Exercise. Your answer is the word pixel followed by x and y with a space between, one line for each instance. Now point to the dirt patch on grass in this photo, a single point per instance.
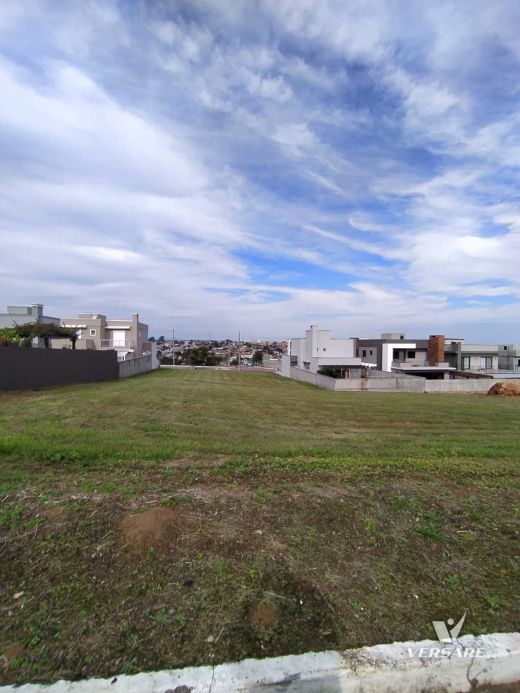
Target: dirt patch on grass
pixel 219 493
pixel 9 654
pixel 196 459
pixel 150 529
pixel 53 513
pixel 263 615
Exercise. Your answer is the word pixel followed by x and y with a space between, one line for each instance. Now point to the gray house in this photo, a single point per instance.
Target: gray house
pixel 128 337
pixel 21 315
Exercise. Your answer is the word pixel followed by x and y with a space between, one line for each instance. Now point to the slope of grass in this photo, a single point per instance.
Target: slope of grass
pixel 297 519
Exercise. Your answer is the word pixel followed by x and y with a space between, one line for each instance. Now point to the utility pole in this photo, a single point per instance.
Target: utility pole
pixel 239 357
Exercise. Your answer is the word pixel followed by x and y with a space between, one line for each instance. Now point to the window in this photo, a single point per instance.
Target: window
pixel 370 352
pixel 364 352
pixel 486 362
pixel 465 363
pixel 92 331
pixel 505 348
pixel 401 336
pixel 518 364
pixel 324 349
pixel 411 354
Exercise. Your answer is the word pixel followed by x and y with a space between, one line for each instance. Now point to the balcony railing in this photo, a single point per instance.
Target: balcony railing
pixel 128 344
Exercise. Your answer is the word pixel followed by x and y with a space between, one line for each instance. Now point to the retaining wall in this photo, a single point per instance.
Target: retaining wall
pixel 390 382
pixel 463 385
pixel 381 384
pixel 141 364
pixel 322 381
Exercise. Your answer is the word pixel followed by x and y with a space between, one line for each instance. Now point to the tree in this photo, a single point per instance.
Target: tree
pixel 258 358
pixel 200 356
pixel 46 331
pixel 9 337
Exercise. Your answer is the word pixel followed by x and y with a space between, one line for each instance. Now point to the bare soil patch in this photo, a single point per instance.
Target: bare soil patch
pixel 151 529
pixel 263 615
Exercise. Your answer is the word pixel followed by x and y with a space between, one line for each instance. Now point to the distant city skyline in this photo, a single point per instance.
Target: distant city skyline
pixel 219 166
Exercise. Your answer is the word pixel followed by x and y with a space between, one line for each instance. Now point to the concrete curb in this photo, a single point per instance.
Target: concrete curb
pixel 397 668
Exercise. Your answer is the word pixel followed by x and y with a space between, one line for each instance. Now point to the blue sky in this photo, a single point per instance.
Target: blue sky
pixel 261 165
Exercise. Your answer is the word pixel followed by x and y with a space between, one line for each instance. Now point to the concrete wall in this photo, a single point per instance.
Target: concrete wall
pixel 462 385
pixel 304 376
pixel 381 384
pixel 374 383
pixel 385 382
pixel 141 364
pixel 31 369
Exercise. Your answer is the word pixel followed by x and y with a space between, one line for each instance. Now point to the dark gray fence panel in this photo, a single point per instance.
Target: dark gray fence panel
pixel 30 369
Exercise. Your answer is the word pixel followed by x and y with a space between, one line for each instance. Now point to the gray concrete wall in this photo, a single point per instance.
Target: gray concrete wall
pixel 31 369
pixel 388 382
pixel 322 381
pixel 130 367
pixel 462 385
pixel 381 384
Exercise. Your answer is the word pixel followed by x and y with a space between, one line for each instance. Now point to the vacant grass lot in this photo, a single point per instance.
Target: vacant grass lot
pixel 194 517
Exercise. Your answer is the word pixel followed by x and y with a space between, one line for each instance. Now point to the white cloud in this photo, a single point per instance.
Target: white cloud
pixel 163 164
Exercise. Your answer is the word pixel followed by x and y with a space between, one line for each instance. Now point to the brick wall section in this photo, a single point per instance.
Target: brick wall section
pixel 435 349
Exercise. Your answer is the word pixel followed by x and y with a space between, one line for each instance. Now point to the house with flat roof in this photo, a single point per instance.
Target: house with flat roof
pixel 394 352
pixel 129 338
pixel 21 315
pixel 318 349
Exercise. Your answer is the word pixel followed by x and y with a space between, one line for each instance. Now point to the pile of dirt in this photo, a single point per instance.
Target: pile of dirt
pixel 149 529
pixel 508 388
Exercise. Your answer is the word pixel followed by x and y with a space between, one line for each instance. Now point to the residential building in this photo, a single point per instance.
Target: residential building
pixel 430 358
pixel 478 357
pixel 509 357
pixel 128 337
pixel 318 349
pixel 21 315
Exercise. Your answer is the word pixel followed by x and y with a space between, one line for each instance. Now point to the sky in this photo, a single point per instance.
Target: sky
pixel 264 165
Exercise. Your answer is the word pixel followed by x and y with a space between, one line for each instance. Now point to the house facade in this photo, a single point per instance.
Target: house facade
pixel 436 357
pixel 318 349
pixel 509 357
pixel 432 358
pixel 95 331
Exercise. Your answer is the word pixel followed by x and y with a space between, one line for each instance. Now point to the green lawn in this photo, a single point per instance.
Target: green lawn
pixel 194 517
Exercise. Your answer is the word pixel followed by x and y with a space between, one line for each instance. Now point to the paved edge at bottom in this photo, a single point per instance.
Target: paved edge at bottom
pixel 464 665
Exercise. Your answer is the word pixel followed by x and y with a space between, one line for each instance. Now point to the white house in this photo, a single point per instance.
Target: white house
pixel 318 349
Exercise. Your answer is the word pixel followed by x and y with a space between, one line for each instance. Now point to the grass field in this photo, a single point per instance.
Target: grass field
pixel 195 517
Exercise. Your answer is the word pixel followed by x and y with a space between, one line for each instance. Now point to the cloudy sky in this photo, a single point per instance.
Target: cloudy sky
pixel 261 165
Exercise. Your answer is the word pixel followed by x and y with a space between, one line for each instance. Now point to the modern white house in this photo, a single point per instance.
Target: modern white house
pixel 318 349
